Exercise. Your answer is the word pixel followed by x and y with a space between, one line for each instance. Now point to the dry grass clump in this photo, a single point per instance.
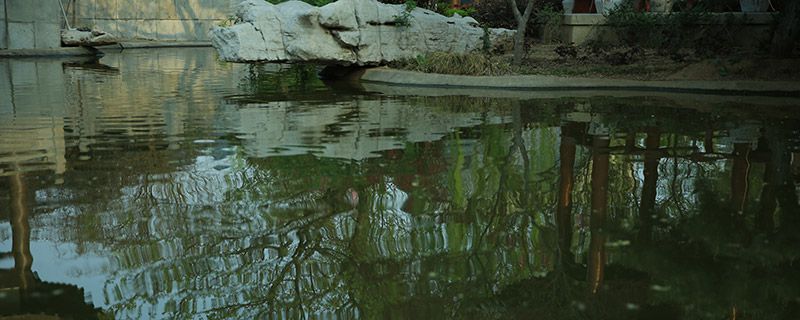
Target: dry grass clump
pixel 472 64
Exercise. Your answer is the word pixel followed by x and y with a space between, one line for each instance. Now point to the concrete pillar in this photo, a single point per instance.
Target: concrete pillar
pixel 3 26
pixel 6 97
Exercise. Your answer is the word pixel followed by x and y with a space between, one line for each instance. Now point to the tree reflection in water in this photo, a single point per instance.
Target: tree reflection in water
pixel 564 208
pixel 504 251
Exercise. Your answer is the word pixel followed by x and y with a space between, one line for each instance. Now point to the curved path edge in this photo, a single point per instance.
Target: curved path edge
pixel 541 82
pixel 91 51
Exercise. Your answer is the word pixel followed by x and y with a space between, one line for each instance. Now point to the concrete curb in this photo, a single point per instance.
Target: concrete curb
pixel 157 44
pixel 553 83
pixel 92 51
pixel 54 52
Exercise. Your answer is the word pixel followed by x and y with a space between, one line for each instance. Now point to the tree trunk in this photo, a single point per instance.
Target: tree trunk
pixel 519 43
pixel 649 185
pixel 786 35
pixel 522 25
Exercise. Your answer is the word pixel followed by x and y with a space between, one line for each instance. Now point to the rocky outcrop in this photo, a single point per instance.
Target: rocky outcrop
pixel 79 37
pixel 345 32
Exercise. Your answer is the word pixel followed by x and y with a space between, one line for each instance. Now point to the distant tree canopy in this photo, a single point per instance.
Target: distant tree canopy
pixel 788 32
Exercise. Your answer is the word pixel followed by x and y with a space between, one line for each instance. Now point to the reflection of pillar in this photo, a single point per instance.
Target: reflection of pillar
pixel 765 220
pixel 630 141
pixel 565 185
pixel 597 246
pixel 649 186
pixel 739 172
pixel 780 165
pixel 20 230
pixel 708 143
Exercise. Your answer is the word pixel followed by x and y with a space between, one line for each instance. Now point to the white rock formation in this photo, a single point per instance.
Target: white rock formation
pixel 74 38
pixel 346 32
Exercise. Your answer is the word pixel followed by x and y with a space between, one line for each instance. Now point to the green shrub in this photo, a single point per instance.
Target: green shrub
pixel 404 18
pixel 566 51
pixel 432 5
pixel 549 19
pixel 694 29
pixel 497 13
pixel 462 11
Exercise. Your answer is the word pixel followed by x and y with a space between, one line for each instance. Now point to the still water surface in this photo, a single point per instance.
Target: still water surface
pixel 167 184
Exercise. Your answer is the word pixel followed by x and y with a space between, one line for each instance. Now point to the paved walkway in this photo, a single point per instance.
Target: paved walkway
pixel 539 83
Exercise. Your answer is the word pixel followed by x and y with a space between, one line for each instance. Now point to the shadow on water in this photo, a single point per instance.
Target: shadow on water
pixel 250 191
pixel 93 64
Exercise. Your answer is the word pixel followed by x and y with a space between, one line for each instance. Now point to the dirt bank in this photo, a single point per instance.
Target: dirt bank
pixel 650 65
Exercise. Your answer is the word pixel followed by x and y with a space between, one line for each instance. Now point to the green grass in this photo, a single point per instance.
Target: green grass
pixel 474 64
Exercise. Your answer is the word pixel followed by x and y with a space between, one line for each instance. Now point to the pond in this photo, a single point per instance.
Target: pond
pixel 167 184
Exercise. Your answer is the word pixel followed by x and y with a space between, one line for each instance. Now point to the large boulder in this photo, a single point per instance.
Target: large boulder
pixel 345 32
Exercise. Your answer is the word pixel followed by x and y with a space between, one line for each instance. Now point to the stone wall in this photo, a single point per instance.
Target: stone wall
pixel 29 24
pixel 162 20
pixel 580 28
